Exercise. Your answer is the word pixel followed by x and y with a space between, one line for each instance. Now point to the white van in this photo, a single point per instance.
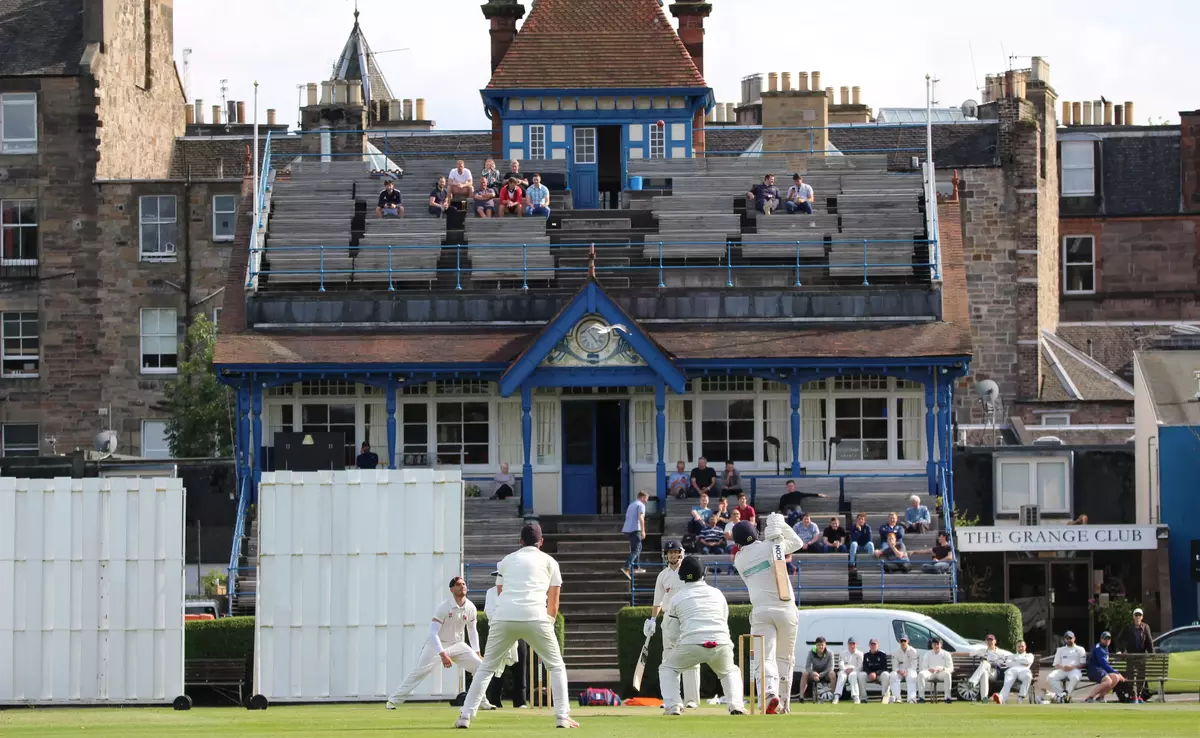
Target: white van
pixel 836 624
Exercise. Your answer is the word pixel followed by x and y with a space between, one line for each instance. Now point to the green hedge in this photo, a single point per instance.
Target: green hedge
pixel 223 638
pixel 970 620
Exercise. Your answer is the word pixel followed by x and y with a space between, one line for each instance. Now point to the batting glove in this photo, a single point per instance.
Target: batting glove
pixel 650 627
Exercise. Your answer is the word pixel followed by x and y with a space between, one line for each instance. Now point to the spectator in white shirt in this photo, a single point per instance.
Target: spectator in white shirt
pixel 1017 668
pixel 990 664
pixel 461 182
pixel 852 673
pixel 936 667
pixel 799 196
pixel 1068 669
pixel 906 662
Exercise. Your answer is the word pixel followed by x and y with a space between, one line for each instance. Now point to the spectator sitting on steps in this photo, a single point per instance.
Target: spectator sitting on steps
pixel 893 554
pixel 712 537
pixel 489 177
pixel 537 197
pixel 835 536
pixel 916 517
pixel 943 556
pixel 794 498
pixel 893 526
pixel 505 484
pixel 390 202
pixel 485 201
pixel 735 517
pixel 799 196
pixel 514 173
pixel 678 483
pixel 700 515
pixel 765 195
pixel 703 478
pixel 367 459
pixel 512 199
pixel 721 514
pixel 731 481
pixel 860 538
pixel 462 184
pixel 439 199
pixel 744 508
pixel 810 536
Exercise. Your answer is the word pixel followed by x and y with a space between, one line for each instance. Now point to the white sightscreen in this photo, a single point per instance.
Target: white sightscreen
pixel 351 565
pixel 91 590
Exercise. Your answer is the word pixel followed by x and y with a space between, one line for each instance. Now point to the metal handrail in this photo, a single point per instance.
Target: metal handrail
pixel 840 477
pixel 239 532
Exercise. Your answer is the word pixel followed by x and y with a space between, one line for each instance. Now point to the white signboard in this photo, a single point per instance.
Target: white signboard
pixel 91 591
pixel 351 566
pixel 1058 538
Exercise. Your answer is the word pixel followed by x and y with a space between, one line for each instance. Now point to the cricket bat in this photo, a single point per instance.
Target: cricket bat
pixel 783 586
pixel 641 664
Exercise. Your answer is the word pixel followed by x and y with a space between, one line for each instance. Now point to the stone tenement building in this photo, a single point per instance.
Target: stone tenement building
pixel 112 242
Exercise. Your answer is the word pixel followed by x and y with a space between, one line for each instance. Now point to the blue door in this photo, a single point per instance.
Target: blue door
pixel 625 480
pixel 585 177
pixel 579 458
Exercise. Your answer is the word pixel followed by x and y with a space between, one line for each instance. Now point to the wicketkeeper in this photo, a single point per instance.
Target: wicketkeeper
pixel 773 615
pixel 697 621
pixel 667 584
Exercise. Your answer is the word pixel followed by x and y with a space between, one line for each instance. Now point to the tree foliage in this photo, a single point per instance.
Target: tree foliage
pixel 200 409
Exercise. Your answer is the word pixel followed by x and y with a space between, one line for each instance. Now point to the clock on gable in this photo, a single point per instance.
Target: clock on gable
pixel 592 342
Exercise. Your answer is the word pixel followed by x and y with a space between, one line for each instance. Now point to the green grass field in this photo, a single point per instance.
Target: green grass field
pixel 978 721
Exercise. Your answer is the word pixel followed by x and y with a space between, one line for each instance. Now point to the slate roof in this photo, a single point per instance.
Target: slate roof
pixel 222 156
pixel 1141 175
pixel 40 37
pixel 355 55
pixel 1112 345
pixel 1171 382
pixel 596 44
pixel 719 138
pixel 1078 376
pixel 954 145
pixel 403 144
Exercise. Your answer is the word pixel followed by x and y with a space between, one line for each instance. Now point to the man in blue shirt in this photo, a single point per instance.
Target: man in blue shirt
pixel 538 197
pixel 712 537
pixel 367 459
pixel 1100 671
pixel 860 537
pixel 765 195
pixel 679 482
pixel 635 530
pixel 916 517
pixel 893 526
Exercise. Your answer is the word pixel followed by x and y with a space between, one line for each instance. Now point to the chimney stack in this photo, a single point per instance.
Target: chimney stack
pixel 815 81
pixel 829 95
pixel 719 113
pixel 502 16
pixel 845 95
pixel 856 95
pixel 786 81
pixel 231 111
pixel 1118 115
pixel 216 115
pixel 189 113
pixel 773 82
pixel 354 94
pixel 1076 114
pixel 730 115
pixel 1129 113
pixel 199 112
pixel 1087 113
pixel 270 116
pixel 405 112
pixel 311 93
pixel 421 109
pixel 802 81
pixel 241 111
pixel 1066 114
pixel 1108 113
pixel 1098 113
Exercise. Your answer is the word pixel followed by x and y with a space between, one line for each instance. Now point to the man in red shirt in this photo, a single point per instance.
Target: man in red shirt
pixel 511 200
pixel 744 509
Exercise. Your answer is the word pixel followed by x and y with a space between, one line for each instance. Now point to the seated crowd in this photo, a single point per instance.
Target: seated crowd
pixel 766 199
pixel 517 195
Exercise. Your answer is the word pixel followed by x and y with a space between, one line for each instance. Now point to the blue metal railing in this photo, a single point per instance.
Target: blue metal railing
pixel 239 532
pixel 723 576
pixel 753 492
pixel 321 273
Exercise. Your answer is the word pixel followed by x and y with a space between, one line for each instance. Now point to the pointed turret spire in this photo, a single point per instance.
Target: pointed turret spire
pixel 357 63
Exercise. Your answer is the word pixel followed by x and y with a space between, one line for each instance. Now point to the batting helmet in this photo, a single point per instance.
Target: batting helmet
pixel 744 533
pixel 691 570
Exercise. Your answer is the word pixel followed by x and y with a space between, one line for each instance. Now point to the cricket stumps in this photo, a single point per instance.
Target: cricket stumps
pixel 755 700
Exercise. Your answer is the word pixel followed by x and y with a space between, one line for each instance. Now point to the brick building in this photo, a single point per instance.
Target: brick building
pixel 114 237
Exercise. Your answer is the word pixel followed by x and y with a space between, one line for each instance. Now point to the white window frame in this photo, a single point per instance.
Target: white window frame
pixel 152 453
pixel 9 102
pixel 20 226
pixel 159 334
pixel 1078 265
pixel 24 318
pixel 1072 155
pixel 537 142
pixel 658 142
pixel 1056 419
pixel 1036 497
pixel 159 222
pixel 8 450
pixel 217 213
pixel 585 145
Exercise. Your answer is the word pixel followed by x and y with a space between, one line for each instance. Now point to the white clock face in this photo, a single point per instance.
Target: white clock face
pixel 591 339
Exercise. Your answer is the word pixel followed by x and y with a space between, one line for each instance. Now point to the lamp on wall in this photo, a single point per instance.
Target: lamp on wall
pixel 773 441
pixel 833 441
pixel 308 440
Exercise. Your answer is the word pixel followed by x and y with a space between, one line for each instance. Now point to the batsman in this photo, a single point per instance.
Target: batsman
pixel 665 587
pixel 763 568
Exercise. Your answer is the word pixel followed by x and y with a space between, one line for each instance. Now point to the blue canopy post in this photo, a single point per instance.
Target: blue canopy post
pixel 794 398
pixel 660 431
pixel 526 444
pixel 256 408
pixel 930 438
pixel 391 420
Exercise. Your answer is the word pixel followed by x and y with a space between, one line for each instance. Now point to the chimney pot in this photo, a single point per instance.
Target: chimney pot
pixel 1129 114
pixel 1108 118
pixel 404 112
pixel 856 95
pixel 815 81
pixel 241 111
pixel 421 109
pixel 786 81
pixel 802 81
pixel 1118 115
pixel 719 112
pixel 354 94
pixel 1097 113
pixel 773 82
pixel 199 111
pixel 270 116
pixel 216 114
pixel 1087 113
pixel 730 115
pixel 326 92
pixel 189 114
pixel 1066 113
pixel 829 95
pixel 311 93
pixel 1076 114
pixel 845 95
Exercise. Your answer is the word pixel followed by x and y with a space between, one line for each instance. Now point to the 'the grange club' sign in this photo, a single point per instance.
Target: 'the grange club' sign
pixel 1057 538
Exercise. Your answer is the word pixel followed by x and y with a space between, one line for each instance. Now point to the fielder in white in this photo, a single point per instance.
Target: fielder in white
pixel 937 666
pixel 697 617
pixel 773 618
pixel 851 672
pixel 906 663
pixel 665 586
pixel 992 661
pixel 525 610
pixel 1016 668
pixel 1068 669
pixel 445 646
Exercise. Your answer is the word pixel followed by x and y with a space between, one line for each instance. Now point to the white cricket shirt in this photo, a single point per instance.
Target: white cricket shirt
pixel 455 619
pixel 667 583
pixel 753 562
pixel 906 659
pixel 455 178
pixel 1070 656
pixel 528 574
pixel 702 612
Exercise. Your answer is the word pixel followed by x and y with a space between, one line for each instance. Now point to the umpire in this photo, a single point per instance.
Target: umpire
pixel 1136 639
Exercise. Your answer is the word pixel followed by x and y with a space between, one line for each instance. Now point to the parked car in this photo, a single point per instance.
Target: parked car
pixel 201 607
pixel 1186 638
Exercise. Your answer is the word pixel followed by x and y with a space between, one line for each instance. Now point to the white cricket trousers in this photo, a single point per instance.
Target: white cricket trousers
pixel 934 678
pixel 502 634
pixel 683 657
pixel 858 684
pixel 691 677
pixel 777 626
pixel 910 684
pixel 1012 675
pixel 460 655
pixel 983 677
pixel 1058 676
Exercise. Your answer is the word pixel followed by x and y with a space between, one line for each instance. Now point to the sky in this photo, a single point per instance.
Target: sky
pixel 440 50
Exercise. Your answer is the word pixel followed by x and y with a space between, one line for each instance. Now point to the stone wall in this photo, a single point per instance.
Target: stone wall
pixel 140 100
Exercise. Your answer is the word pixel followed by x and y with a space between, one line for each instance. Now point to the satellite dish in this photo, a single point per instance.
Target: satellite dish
pixel 106 442
pixel 988 391
pixel 970 109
